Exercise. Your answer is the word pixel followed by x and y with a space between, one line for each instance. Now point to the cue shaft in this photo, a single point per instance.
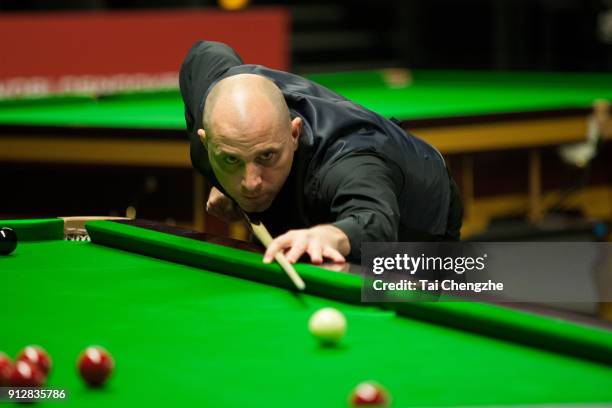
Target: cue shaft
pixel 262 234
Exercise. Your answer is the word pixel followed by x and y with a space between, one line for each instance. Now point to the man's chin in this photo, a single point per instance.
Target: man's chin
pixel 254 207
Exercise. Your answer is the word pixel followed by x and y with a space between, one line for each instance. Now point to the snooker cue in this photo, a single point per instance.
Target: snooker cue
pixel 262 234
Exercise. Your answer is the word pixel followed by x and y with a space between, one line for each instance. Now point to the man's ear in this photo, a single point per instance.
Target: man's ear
pixel 296 131
pixel 202 134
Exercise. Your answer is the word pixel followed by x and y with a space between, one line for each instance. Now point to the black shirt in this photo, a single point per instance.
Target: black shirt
pixel 353 168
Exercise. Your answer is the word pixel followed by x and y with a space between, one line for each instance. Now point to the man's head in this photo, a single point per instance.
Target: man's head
pixel 250 139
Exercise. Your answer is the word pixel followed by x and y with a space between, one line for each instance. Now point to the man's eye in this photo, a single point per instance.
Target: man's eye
pixel 266 156
pixel 230 160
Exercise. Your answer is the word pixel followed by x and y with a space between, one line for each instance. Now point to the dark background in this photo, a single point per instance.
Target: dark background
pixel 446 34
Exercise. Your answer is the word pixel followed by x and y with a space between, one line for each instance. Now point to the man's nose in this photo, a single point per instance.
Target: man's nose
pixel 251 181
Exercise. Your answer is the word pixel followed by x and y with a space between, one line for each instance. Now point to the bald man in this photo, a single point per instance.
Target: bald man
pixel 321 172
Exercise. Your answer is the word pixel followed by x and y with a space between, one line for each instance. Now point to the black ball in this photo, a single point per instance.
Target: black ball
pixel 8 240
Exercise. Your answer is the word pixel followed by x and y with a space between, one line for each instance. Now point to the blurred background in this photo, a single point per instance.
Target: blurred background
pixel 91 121
pixel 446 34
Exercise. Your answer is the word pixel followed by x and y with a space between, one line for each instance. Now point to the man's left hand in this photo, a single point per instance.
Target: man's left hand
pixel 320 242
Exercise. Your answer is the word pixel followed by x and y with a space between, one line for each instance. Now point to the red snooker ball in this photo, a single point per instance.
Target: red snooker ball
pixel 36 355
pixel 26 374
pixel 95 365
pixel 6 369
pixel 369 394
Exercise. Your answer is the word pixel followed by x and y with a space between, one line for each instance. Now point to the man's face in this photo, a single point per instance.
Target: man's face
pixel 253 166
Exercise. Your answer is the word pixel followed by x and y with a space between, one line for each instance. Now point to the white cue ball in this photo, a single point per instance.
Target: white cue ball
pixel 328 325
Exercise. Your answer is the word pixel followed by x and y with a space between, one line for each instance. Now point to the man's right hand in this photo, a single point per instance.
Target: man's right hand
pixel 222 207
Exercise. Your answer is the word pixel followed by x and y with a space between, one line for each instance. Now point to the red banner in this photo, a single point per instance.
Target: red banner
pixel 46 53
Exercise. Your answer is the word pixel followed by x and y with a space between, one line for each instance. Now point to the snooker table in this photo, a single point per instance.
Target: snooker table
pixel 194 323
pixel 456 111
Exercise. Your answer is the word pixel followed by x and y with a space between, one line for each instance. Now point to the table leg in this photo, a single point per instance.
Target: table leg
pixel 199 201
pixel 535 187
pixel 238 230
pixel 601 112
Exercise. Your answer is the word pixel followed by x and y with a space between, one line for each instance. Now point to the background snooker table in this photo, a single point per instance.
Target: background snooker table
pixel 459 112
pixel 196 323
pixel 429 99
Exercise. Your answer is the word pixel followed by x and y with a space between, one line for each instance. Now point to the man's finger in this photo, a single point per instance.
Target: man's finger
pixel 331 253
pixel 211 209
pixel 315 252
pixel 215 211
pixel 298 247
pixel 277 244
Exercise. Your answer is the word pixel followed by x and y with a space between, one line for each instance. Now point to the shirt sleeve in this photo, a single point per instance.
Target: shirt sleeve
pixel 362 193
